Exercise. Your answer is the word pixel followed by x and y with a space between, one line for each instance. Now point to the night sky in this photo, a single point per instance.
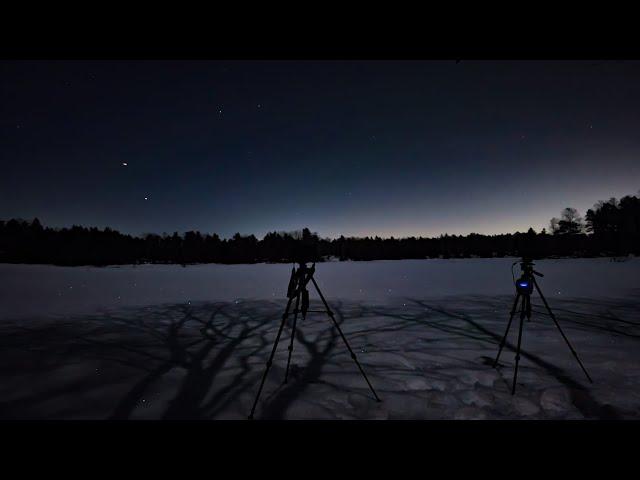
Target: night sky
pixel 355 148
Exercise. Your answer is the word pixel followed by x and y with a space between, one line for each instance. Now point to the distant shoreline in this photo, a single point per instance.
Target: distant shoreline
pixel 613 258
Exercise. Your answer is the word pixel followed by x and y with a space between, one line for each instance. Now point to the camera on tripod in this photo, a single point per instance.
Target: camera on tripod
pixel 524 284
pixel 524 288
pixel 297 290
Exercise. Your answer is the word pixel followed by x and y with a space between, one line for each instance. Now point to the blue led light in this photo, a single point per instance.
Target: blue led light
pixel 523 284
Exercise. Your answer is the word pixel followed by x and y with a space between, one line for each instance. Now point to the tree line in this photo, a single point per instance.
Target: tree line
pixel 610 228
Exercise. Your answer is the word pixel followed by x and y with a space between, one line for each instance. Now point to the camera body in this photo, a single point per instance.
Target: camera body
pixel 524 285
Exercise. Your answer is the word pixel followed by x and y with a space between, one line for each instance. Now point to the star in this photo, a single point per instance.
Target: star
pixel 124 164
pixel 146 198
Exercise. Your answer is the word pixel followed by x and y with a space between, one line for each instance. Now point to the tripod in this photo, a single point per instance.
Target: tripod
pixel 297 289
pixel 524 289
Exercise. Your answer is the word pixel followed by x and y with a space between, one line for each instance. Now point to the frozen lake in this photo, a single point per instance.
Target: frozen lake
pixel 158 341
pixel 48 290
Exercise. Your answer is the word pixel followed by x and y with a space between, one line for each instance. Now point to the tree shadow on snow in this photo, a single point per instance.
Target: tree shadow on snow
pixel 209 357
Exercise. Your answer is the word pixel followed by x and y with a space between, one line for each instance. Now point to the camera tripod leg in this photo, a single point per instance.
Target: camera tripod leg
pixel 293 334
pixel 523 310
pixel 553 317
pixel 273 352
pixel 504 338
pixel 344 339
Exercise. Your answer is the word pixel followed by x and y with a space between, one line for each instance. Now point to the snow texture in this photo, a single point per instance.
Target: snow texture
pixel 165 342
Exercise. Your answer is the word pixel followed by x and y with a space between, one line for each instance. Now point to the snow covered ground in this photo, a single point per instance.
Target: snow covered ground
pixel 156 342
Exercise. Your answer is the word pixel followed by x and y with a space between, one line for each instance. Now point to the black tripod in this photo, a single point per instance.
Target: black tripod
pixel 297 289
pixel 524 289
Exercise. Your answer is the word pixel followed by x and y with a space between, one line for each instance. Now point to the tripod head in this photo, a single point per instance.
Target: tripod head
pixel 303 269
pixel 526 265
pixel 524 284
pixel 302 265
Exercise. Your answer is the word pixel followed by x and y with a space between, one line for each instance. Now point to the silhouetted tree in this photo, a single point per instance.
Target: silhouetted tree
pixel 615 225
pixel 570 222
